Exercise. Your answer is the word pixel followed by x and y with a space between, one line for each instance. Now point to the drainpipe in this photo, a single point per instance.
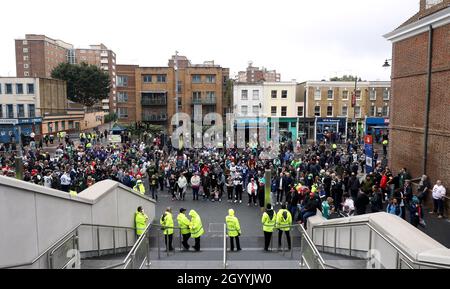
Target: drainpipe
pixel 427 106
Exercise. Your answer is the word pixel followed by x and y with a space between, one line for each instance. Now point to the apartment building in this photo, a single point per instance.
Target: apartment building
pixel 153 90
pixel 38 55
pixel 105 59
pixel 254 74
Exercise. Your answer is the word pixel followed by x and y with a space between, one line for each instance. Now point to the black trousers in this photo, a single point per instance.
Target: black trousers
pixel 267 238
pixel 288 237
pixel 230 192
pixel 251 199
pixel 197 244
pixel 280 196
pixel 185 240
pixel 238 245
pixel 168 241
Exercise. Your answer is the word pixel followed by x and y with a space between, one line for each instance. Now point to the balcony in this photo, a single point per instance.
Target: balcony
pixel 154 102
pixel 204 101
pixel 154 117
pixel 104 54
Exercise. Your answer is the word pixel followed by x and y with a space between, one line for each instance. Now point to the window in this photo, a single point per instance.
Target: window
pixel 0 88
pixel 255 94
pixel 50 127
pixel 373 94
pixel 358 94
pixel 122 97
pixel 329 110
pixel 244 94
pixel 273 110
pixel 274 94
pixel 386 94
pixel 122 81
pixel 24 42
pixel 179 86
pixel 373 110
pixel 1 110
pixel 20 111
pixel 284 94
pixel 31 110
pixel 70 124
pixel 344 111
pixel 330 94
pixel 123 112
pixel 147 78
pixel 63 125
pixel 30 88
pixel 8 88
pixel 196 78
pixel 255 109
pixel 56 126
pixel 26 57
pixel 244 109
pixel 25 50
pixel 26 66
pixel 161 78
pixel 317 110
pixel 19 88
pixel 300 111
pixel 385 111
pixel 211 79
pixel 357 111
pixel 317 94
pixel 345 95
pixel 210 94
pixel 196 96
pixel 9 111
pixel 26 73
pixel 284 111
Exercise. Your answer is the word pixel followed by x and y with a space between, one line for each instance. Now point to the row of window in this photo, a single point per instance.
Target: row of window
pixel 255 94
pixel 8 88
pixel 383 111
pixel 55 126
pixel 345 94
pixel 197 78
pixel 19 112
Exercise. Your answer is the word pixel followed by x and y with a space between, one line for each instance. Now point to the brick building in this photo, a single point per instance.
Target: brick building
pixel 148 94
pixel 38 55
pixel 420 110
pixel 254 74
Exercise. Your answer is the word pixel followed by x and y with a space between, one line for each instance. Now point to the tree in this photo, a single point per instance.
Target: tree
pixel 345 78
pixel 86 84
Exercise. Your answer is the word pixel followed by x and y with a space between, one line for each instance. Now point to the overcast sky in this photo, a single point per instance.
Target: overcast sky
pixel 303 40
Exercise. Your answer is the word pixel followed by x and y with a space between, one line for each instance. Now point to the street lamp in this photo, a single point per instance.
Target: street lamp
pixel 386 63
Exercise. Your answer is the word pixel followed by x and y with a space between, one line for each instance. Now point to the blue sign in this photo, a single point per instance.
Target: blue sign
pixel 368 149
pixel 30 120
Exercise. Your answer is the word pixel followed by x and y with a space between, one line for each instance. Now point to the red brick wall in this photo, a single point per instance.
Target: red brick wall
pixel 409 84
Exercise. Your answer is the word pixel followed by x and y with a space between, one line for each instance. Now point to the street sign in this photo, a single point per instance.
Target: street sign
pixel 368 139
pixel 368 149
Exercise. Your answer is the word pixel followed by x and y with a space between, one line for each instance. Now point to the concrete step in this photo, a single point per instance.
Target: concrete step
pixel 344 261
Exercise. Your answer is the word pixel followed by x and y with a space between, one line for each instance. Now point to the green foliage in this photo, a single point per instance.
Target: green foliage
pixel 111 117
pixel 345 78
pixel 86 84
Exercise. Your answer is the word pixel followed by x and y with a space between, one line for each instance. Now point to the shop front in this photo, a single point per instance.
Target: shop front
pixel 12 129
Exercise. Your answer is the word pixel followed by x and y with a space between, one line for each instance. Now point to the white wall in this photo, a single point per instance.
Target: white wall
pixel 250 102
pixel 32 217
pixel 15 98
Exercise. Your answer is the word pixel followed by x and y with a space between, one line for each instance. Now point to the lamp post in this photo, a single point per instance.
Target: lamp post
pixel 176 87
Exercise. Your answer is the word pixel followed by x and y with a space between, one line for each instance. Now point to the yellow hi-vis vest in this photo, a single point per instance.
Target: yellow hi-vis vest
pixel 183 223
pixel 73 193
pixel 233 227
pixel 167 222
pixel 385 142
pixel 268 223
pixel 282 223
pixel 139 187
pixel 196 225
pixel 141 222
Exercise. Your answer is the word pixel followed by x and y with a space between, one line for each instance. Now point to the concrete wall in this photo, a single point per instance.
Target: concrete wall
pixel 416 244
pixel 32 217
pixel 92 120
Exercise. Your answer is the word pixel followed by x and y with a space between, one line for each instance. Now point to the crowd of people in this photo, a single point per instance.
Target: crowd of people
pixel 304 177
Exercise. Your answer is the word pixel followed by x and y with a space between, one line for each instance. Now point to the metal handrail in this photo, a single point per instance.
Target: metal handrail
pixel 313 247
pixel 399 250
pixel 225 246
pixel 60 242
